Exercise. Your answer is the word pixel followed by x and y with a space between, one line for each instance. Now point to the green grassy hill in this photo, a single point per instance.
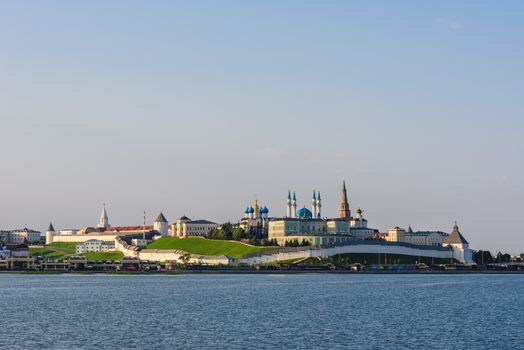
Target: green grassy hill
pixel 202 246
pixel 47 253
pixel 66 247
pixel 115 256
pixel 61 251
pixel 57 250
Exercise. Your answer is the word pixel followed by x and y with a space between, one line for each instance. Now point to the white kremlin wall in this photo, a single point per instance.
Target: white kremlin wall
pixel 303 253
pixel 176 255
pixel 355 248
pixel 82 238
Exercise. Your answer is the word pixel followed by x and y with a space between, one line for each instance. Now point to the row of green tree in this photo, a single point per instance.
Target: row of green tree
pixel 485 257
pixel 228 231
pixel 296 243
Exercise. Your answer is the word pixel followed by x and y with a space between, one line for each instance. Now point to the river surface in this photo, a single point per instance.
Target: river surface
pixel 307 311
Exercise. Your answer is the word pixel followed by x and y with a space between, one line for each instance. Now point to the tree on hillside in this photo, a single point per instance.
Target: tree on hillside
pixel 216 234
pixel 502 258
pixel 227 228
pixel 239 234
pixel 292 243
pixel 227 231
pixel 268 242
pixel 185 258
pixel 482 256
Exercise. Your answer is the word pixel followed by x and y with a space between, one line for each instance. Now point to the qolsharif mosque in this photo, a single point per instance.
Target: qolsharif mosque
pixel 314 213
pixel 309 225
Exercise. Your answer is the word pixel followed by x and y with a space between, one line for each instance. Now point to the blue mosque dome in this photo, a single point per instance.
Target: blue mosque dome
pixel 304 213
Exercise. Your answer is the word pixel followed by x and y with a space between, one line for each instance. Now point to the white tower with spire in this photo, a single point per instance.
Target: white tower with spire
pixel 104 219
pixel 49 234
pixel 161 225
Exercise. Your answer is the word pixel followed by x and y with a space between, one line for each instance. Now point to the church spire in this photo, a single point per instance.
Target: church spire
pixel 344 212
pixel 104 219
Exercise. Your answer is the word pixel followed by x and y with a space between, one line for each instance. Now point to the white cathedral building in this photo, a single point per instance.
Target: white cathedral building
pixel 255 218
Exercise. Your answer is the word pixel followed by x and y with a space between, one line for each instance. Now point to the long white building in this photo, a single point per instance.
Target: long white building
pixel 20 236
pixel 427 238
pixel 185 227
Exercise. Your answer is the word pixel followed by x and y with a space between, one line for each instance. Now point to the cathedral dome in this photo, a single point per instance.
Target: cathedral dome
pixel 246 211
pixel 264 210
pixel 304 213
pixel 251 210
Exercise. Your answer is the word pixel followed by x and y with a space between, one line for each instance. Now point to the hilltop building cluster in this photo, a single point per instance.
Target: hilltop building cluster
pixel 255 219
pixel 309 226
pixel 298 226
pixel 183 227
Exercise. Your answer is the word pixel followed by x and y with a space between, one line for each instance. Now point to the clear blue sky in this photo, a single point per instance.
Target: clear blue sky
pixel 195 107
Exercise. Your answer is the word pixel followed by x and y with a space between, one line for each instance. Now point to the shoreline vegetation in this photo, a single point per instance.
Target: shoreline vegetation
pixel 60 257
pixel 233 271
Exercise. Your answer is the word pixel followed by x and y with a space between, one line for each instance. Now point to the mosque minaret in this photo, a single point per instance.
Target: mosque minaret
pixel 319 205
pixel 294 206
pixel 314 204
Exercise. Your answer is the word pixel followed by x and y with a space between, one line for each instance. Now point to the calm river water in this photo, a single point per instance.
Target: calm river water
pixel 311 311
